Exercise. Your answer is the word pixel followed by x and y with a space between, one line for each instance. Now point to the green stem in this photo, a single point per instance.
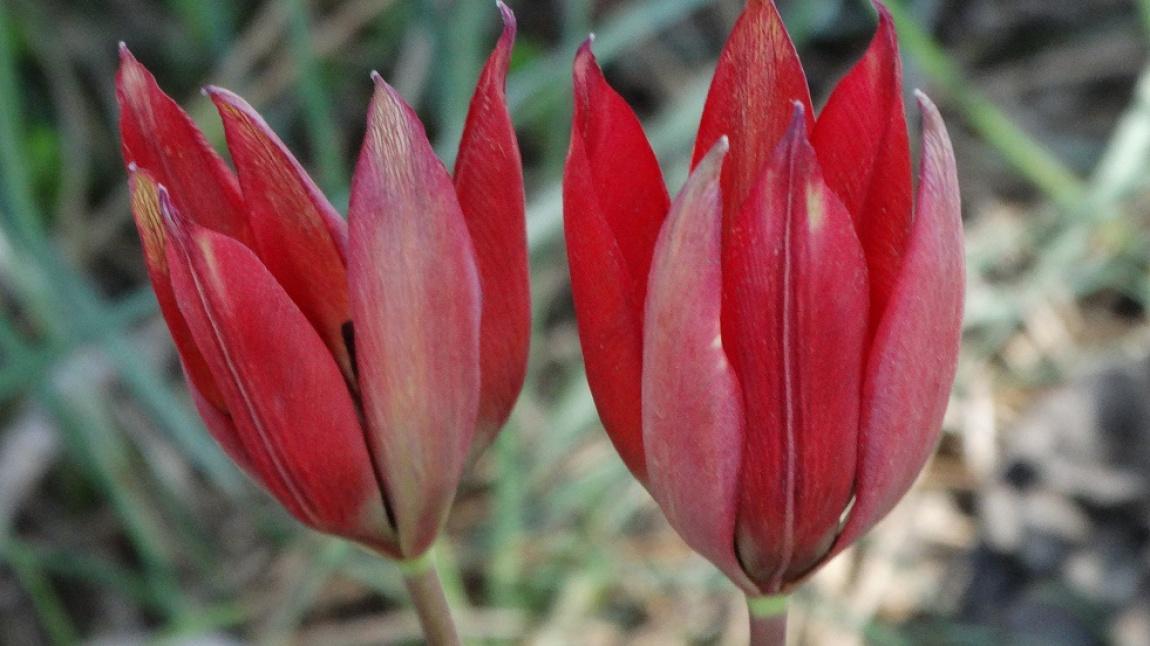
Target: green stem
pixel 768 620
pixel 422 581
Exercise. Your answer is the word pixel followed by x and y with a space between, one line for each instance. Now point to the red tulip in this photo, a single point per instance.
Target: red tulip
pixel 350 368
pixel 771 354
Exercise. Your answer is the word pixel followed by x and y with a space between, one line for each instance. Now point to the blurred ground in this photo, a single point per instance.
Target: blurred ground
pixel 119 522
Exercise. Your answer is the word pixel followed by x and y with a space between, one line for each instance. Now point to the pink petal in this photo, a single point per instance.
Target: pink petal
pixel 614 202
pixel 794 324
pixel 861 140
pixel 415 301
pixel 692 408
pixel 294 419
pixel 145 194
pixel 298 235
pixel 757 80
pixel 158 136
pixel 915 351
pixel 489 183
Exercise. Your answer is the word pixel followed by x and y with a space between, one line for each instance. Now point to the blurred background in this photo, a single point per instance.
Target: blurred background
pixel 121 523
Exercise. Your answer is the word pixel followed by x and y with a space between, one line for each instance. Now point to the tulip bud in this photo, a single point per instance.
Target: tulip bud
pixel 353 368
pixel 772 353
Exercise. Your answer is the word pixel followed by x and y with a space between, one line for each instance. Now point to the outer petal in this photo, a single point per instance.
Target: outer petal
pixel 294 418
pixel 915 350
pixel 614 202
pixel 158 136
pixel 757 80
pixel 153 236
pixel 862 144
pixel 416 306
pixel 298 235
pixel 794 324
pixel 489 183
pixel 692 407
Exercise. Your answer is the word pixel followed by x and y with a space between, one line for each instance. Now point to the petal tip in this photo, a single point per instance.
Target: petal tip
pixel 798 125
pixel 584 55
pixel 167 209
pixel 930 113
pixel 510 25
pixel 710 166
pixel 385 92
pixel 886 24
pixel 222 97
pixel 718 150
pixel 586 67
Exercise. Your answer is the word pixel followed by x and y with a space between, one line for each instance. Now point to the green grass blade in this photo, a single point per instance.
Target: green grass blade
pixel 325 138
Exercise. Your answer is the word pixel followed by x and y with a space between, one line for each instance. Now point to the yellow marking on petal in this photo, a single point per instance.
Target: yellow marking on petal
pixel 815 207
pixel 146 207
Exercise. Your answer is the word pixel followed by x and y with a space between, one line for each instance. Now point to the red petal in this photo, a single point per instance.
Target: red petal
pixel 150 225
pixel 415 301
pixel 489 183
pixel 692 407
pixel 794 324
pixel 158 136
pixel 915 350
pixel 628 184
pixel 757 81
pixel 293 415
pixel 614 202
pixel 298 235
pixel 862 144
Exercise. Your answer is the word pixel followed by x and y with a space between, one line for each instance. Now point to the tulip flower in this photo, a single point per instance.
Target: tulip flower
pixel 352 369
pixel 771 353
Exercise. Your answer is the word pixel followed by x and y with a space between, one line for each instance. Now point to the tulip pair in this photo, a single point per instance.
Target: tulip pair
pixel 771 353
pixel 351 368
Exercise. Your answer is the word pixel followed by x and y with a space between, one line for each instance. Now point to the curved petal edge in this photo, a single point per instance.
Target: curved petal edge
pixel 489 183
pixel 416 308
pixel 692 408
pixel 914 356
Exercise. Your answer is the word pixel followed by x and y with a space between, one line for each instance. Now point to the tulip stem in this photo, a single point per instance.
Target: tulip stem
pixel 768 620
pixel 423 585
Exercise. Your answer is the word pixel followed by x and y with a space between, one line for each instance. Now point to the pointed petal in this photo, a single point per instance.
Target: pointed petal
pixel 489 183
pixel 298 234
pixel 628 184
pixel 145 194
pixel 692 408
pixel 757 80
pixel 915 350
pixel 794 324
pixel 861 140
pixel 415 301
pixel 158 136
pixel 614 202
pixel 294 417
